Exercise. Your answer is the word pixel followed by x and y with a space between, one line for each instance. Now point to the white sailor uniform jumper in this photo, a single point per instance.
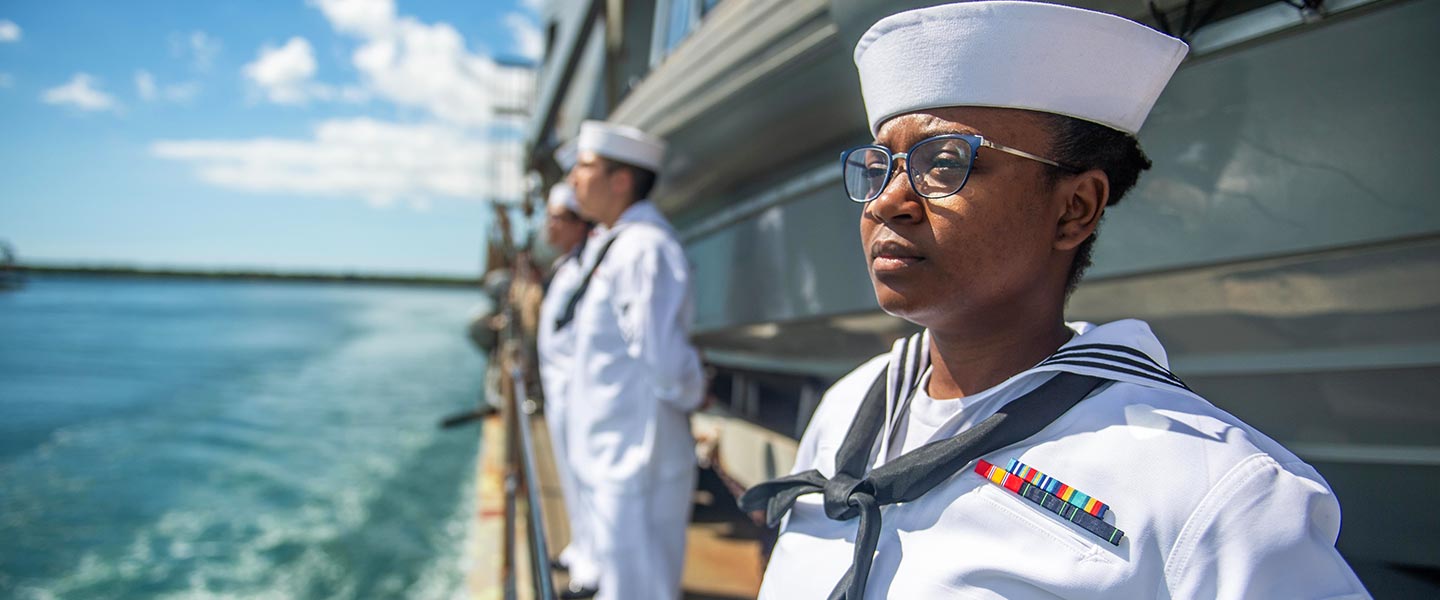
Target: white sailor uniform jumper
pixel 1141 490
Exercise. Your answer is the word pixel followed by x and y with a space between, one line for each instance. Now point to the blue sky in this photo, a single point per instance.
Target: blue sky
pixel 329 135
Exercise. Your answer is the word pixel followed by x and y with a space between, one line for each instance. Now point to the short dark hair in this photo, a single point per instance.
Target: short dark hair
pixel 576 217
pixel 643 178
pixel 1085 146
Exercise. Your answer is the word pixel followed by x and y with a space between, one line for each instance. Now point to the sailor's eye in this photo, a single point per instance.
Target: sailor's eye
pixel 947 162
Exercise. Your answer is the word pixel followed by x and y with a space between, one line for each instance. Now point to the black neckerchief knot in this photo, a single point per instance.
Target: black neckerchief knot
pixel 841 502
pixel 853 492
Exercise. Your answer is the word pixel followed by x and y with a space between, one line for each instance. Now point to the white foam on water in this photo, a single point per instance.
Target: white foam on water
pixel 445 575
pixel 284 471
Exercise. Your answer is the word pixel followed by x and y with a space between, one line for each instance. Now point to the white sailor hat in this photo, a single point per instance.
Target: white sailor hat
pixel 1056 59
pixel 621 143
pixel 563 196
pixel 565 155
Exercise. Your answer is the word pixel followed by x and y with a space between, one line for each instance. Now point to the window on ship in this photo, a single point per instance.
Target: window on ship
pixel 674 20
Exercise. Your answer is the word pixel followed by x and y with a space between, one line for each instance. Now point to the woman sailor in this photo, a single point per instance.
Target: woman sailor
pixel 1003 453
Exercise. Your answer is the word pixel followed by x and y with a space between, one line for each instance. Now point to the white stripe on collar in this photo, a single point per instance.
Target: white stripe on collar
pixel 909 359
pixel 1123 350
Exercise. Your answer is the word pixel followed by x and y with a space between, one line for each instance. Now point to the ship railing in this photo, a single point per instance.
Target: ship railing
pixel 525 475
pixel 522 476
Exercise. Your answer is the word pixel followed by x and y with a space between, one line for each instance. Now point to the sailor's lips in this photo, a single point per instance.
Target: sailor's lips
pixel 891 256
pixel 886 264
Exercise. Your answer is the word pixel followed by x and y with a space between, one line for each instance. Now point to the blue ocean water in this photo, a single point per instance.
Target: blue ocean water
pixel 179 438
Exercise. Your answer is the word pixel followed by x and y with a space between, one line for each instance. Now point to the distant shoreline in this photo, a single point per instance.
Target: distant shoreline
pixel 244 275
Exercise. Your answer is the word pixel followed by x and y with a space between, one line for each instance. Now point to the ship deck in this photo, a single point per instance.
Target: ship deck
pixel 723 547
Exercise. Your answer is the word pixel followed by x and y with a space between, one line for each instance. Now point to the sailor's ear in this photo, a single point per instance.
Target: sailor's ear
pixel 622 182
pixel 1080 200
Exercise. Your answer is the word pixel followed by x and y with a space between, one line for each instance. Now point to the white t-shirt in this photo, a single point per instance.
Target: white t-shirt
pixel 927 419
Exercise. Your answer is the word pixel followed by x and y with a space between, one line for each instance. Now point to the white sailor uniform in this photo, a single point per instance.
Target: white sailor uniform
pixel 556 350
pixel 1208 506
pixel 637 379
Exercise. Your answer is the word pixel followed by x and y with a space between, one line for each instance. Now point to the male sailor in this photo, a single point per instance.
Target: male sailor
pixel 1003 453
pixel 567 232
pixel 637 378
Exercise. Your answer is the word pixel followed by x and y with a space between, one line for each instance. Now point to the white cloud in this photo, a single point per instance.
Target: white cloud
pixel 204 49
pixel 427 66
pixel 284 74
pixel 529 42
pixel 199 47
pixel 9 31
pixel 364 18
pixel 468 149
pixel 149 90
pixel 82 93
pixel 145 85
pixel 381 162
pixel 532 5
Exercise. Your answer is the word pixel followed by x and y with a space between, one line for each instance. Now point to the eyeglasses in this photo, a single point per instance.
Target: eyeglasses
pixel 937 167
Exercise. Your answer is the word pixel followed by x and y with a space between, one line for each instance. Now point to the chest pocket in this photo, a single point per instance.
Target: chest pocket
pixel 1025 521
pixel 973 504
pixel 998 546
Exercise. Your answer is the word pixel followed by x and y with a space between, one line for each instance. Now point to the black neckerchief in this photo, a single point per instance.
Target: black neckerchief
pixel 569 315
pixel 852 492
